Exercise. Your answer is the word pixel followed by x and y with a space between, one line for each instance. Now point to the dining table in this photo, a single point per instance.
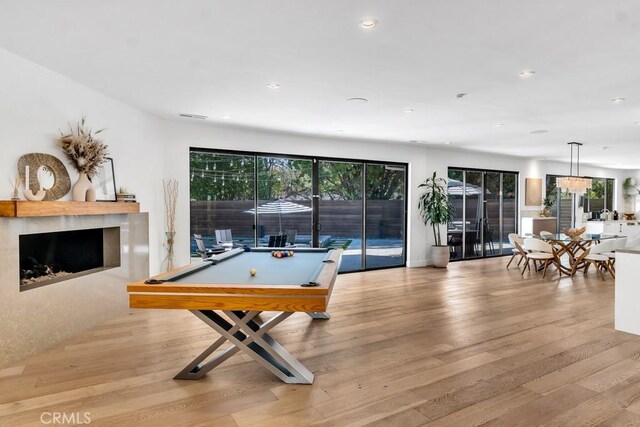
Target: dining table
pixel 573 249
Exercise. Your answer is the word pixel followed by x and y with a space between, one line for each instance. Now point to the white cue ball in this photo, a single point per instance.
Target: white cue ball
pixel 252 272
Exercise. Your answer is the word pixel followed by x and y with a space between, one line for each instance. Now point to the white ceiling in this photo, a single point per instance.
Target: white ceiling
pixel 215 58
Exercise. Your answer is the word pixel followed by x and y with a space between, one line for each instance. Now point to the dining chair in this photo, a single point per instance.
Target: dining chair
pixel 538 251
pixel 633 242
pixel 516 241
pixel 292 235
pixel 277 241
pixel 619 243
pixel 224 236
pixel 597 256
pixel 547 233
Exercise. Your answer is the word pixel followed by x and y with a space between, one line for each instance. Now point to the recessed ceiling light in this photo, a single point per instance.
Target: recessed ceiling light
pixel 226 117
pixel 368 23
pixel 341 130
pixel 499 125
pixel 193 116
pixel 603 148
pixel 460 95
pixel 358 100
pixel 527 74
pixel 538 131
pixel 617 100
pixel 636 123
pixel 408 110
pixel 447 143
pixel 273 85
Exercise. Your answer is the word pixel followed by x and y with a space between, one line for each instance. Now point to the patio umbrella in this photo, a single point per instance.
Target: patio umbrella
pixel 280 207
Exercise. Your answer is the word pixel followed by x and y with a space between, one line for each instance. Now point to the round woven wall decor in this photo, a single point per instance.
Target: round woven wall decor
pixel 62 182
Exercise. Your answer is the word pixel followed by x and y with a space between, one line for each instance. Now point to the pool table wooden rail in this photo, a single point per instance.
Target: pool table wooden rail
pixel 220 296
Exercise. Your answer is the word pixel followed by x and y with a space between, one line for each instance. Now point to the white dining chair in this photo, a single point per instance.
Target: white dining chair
pixel 538 251
pixel 619 243
pixel 547 233
pixel 516 241
pixel 597 256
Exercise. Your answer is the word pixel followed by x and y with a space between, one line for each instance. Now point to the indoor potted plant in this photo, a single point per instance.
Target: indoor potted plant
pixel 436 209
pixel 547 202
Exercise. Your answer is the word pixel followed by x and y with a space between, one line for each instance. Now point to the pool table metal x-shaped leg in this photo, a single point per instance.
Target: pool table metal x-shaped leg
pixel 250 336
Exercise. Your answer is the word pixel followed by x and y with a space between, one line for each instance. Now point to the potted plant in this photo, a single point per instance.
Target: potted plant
pixel 436 209
pixel 628 185
pixel 547 202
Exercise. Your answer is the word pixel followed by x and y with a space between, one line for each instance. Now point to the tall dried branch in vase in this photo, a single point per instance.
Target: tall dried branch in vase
pixel 170 188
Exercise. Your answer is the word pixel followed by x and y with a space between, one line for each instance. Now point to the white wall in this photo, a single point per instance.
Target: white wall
pixel 36 102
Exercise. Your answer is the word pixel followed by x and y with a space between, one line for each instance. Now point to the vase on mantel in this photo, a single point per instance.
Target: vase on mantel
pixel 83 190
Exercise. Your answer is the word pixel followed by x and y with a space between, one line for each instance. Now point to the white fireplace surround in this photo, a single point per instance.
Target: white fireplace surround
pixel 40 318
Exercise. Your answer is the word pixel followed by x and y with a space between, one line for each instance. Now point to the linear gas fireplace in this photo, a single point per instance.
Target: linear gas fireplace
pixel 47 258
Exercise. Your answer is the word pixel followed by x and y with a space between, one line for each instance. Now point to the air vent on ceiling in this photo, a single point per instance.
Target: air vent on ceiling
pixel 193 116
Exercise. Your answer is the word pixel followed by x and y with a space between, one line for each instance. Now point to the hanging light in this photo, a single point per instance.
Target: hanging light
pixel 574 183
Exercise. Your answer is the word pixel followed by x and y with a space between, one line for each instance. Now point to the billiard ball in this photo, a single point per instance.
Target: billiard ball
pixel 252 272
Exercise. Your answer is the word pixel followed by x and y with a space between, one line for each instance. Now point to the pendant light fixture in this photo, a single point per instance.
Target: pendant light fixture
pixel 575 184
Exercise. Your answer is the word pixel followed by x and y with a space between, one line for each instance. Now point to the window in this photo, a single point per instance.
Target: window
pixel 355 205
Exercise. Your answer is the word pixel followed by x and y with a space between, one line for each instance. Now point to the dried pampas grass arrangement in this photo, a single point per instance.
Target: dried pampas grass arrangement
pixel 81 146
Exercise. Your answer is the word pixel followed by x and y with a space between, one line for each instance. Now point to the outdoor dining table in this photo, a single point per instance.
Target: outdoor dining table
pixel 574 248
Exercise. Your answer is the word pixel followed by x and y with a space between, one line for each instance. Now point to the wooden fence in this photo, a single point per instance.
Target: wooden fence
pixel 343 218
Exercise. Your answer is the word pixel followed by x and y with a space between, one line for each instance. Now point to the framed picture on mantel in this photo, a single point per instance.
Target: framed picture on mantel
pixel 105 182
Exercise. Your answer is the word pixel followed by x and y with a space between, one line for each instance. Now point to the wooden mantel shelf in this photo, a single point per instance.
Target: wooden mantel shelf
pixel 25 209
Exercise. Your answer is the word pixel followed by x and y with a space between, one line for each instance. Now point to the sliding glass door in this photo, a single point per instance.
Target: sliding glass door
pixel 340 210
pixel 485 205
pixel 385 215
pixel 357 206
pixel 284 200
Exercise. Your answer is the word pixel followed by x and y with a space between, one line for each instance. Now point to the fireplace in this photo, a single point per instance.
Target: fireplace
pixel 47 258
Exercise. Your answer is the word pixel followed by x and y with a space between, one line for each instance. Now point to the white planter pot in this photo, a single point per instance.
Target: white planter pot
pixel 440 256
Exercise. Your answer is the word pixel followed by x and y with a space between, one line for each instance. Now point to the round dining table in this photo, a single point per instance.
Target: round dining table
pixel 575 248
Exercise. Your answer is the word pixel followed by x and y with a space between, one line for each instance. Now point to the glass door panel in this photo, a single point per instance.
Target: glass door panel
pixel 284 201
pixel 473 211
pixel 509 209
pixel 485 204
pixel 221 187
pixel 340 210
pixel 491 230
pixel 455 229
pixel 385 215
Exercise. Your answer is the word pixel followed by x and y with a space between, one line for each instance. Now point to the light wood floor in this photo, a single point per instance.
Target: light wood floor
pixel 473 344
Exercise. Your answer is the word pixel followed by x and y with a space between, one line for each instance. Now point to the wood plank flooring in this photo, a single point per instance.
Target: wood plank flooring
pixel 473 344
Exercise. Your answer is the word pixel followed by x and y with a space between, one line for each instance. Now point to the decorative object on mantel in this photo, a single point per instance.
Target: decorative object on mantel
pixel 15 192
pixel 547 202
pixel 124 196
pixel 105 182
pixel 574 233
pixel 43 171
pixel 28 194
pixel 170 199
pixel 86 153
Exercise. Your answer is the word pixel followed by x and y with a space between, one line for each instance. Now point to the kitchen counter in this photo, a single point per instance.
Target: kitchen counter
pixel 627 302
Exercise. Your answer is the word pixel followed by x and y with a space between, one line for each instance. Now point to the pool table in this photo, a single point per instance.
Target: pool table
pixel 221 292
